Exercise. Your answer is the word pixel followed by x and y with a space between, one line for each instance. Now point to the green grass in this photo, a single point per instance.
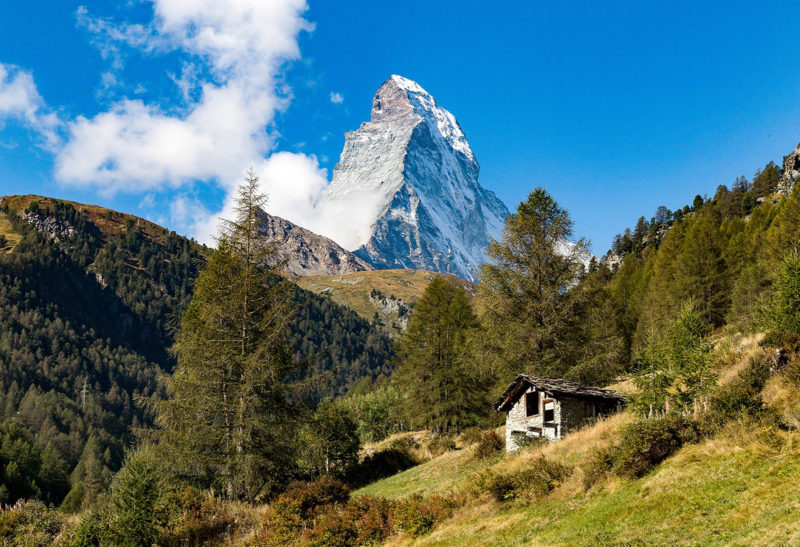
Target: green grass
pixel 444 474
pixel 721 492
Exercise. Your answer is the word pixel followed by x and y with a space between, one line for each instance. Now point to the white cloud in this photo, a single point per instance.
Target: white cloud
pixel 294 182
pixel 231 85
pixel 20 100
pixel 137 147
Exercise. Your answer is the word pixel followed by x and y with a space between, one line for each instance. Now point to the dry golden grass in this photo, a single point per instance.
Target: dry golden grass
pixel 784 397
pixel 624 385
pixel 417 442
pixel 735 352
pixel 247 521
pixel 12 237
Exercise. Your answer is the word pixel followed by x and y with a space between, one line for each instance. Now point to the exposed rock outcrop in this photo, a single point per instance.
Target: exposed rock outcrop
pixel 307 253
pixel 58 230
pixel 791 172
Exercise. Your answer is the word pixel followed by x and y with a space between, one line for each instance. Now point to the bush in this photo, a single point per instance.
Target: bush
pixel 416 516
pixel 526 441
pixel 289 513
pixel 365 520
pixel 646 443
pixel 191 516
pixel 742 397
pixel 489 445
pixel 30 523
pixel 372 517
pixel 540 478
pixel 439 444
pixel 379 465
pixel 597 466
pixel 470 435
pixel 312 495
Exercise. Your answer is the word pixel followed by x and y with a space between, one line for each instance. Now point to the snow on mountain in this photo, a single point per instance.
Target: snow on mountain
pixel 411 173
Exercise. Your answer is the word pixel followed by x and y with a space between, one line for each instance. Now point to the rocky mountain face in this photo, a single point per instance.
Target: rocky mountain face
pixel 411 171
pixel 307 253
pixel 791 172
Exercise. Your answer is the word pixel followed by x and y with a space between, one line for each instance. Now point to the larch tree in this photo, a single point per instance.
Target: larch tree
pixel 228 420
pixel 529 290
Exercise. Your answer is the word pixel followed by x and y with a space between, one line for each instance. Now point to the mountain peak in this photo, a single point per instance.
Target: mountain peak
pixel 411 169
pixel 406 84
pixel 399 96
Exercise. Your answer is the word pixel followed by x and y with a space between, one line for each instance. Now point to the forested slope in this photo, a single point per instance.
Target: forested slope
pixel 89 299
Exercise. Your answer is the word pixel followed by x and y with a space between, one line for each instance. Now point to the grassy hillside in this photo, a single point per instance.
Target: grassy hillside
pixel 382 292
pixel 736 486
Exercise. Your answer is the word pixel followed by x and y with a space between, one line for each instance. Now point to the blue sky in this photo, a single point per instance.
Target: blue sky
pixel 614 107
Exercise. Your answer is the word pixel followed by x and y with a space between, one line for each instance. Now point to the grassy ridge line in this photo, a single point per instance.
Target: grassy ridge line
pixel 108 220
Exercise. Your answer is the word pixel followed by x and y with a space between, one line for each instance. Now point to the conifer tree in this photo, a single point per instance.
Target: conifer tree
pixel 440 394
pixel 228 416
pixel 525 296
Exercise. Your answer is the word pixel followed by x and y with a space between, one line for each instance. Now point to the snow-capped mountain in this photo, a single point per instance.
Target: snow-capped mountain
pixel 411 174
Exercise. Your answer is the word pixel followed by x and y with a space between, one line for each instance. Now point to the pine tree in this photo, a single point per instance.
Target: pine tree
pixel 439 392
pixel 228 415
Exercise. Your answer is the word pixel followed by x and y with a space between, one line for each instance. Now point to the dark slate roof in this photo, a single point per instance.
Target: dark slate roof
pixel 556 386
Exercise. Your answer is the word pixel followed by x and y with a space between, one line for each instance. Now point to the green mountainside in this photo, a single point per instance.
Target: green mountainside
pixel 89 299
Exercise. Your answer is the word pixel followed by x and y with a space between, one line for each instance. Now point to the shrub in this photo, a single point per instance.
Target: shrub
pixel 378 465
pixel 742 397
pixel 333 528
pixel 526 441
pixel 372 517
pixel 282 521
pixel 489 444
pixel 289 513
pixel 191 516
pixel 471 435
pixel 312 495
pixel 365 520
pixel 540 478
pixel 30 523
pixel 439 444
pixel 646 443
pixel 416 515
pixel 597 466
pixel 792 370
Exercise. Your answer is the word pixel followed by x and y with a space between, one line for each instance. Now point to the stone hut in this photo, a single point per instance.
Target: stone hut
pixel 551 407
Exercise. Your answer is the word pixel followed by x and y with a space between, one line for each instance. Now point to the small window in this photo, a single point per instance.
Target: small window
pixel 549 410
pixel 532 404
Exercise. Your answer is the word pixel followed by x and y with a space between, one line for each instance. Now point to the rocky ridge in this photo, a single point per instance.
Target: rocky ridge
pixel 307 253
pixel 791 172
